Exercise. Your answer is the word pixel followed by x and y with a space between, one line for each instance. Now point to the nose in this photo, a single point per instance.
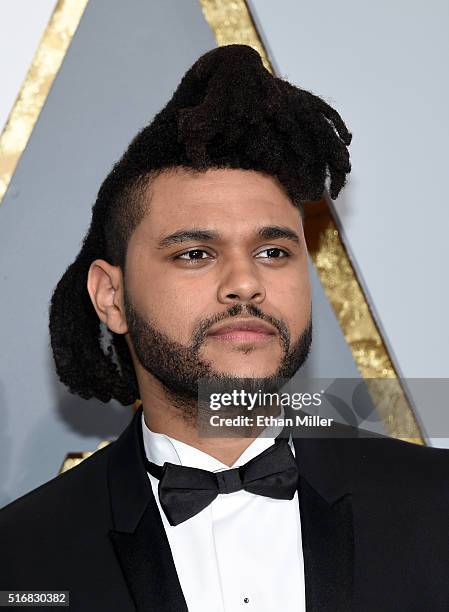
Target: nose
pixel 241 282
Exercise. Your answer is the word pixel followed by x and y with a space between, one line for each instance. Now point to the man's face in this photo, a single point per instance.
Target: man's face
pixel 215 249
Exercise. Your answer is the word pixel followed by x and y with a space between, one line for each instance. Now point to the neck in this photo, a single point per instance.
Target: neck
pixel 162 416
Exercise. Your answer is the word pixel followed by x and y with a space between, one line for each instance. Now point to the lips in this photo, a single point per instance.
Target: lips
pixel 243 330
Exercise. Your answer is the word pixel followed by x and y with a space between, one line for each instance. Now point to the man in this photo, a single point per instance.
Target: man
pixel 196 263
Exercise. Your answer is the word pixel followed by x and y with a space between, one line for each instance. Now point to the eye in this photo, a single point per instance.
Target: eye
pixel 192 255
pixel 274 253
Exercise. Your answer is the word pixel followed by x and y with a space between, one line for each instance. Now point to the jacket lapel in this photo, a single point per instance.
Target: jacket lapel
pixel 138 537
pixel 325 501
pixel 328 549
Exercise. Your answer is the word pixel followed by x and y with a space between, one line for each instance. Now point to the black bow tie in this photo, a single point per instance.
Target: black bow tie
pixel 185 491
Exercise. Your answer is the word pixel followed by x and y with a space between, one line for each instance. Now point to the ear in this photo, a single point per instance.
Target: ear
pixel 105 287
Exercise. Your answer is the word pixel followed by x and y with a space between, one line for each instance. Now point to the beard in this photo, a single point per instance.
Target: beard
pixel 187 379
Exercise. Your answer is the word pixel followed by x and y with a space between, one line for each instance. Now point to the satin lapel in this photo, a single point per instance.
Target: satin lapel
pixel 325 502
pixel 328 549
pixel 147 564
pixel 139 539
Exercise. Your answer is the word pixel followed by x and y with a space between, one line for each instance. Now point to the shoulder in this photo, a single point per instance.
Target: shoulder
pixel 58 533
pixel 375 448
pixel 383 463
pixel 77 491
pixel 404 469
pixel 385 450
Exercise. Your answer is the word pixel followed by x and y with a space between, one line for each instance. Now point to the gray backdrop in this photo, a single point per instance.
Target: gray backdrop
pixel 123 65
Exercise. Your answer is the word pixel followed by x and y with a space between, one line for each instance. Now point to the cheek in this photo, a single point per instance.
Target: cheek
pixel 291 296
pixel 174 307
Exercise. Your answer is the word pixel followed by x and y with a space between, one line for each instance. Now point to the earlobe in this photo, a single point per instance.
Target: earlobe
pixel 104 284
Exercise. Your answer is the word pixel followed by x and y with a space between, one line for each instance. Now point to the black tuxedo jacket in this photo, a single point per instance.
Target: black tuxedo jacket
pixel 374 516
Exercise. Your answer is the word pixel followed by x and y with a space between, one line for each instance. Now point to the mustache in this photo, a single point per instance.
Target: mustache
pixel 236 310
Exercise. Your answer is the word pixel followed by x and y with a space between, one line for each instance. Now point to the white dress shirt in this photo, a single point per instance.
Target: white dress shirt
pixel 243 551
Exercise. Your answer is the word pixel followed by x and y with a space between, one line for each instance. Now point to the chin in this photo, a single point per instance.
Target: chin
pixel 253 364
pixel 245 372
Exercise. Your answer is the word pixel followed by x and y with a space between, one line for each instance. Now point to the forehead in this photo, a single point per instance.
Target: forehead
pixel 217 197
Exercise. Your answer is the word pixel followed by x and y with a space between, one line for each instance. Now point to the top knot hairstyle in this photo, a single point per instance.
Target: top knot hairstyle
pixel 227 112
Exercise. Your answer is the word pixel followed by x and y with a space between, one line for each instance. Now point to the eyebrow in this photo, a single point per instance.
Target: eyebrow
pixel 206 235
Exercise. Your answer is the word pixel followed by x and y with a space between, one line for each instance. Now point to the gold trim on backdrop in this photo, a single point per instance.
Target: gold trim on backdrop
pixel 351 308
pixel 38 81
pixel 72 459
pixel 231 23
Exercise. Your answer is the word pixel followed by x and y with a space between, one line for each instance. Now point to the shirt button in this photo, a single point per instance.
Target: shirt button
pixel 246 600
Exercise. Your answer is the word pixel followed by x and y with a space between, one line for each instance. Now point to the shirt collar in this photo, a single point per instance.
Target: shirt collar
pixel 160 448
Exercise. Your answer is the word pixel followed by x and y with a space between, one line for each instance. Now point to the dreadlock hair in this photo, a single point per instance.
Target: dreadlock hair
pixel 227 112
